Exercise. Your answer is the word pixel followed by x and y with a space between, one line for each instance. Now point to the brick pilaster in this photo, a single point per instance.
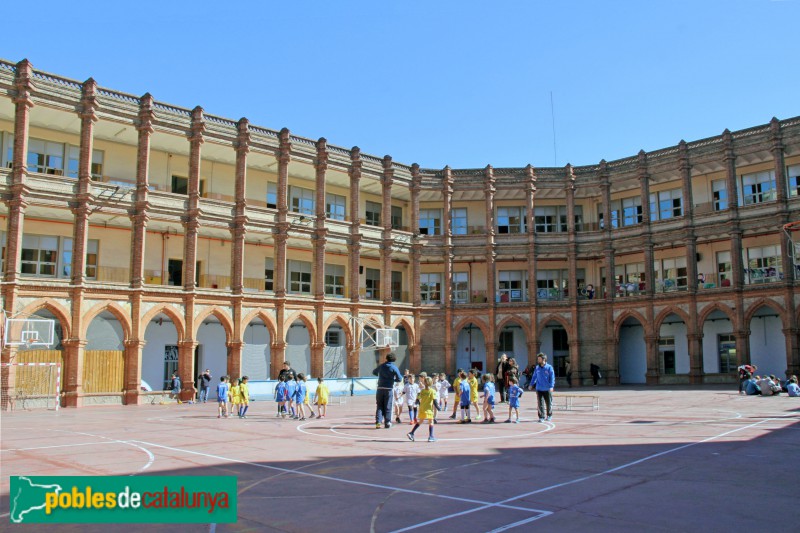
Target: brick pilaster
pixel 72 377
pixel 141 207
pixel 387 179
pixel 320 231
pixel 191 219
pixel 82 201
pixel 355 224
pixel 416 247
pixel 530 196
pixel 644 187
pixel 239 227
pixel 132 371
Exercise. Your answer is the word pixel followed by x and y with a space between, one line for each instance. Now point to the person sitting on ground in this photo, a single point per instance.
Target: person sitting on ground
pixel 743 371
pixel 768 386
pixel 792 388
pixel 751 388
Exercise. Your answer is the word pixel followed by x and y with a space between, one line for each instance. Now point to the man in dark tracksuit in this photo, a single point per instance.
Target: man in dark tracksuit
pixel 388 374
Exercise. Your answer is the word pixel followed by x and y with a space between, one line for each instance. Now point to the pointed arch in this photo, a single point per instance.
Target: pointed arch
pixel 555 318
pixel 112 307
pixel 512 319
pixel 177 320
pixel 268 321
pixel 748 315
pixel 629 313
pixel 223 317
pixel 305 318
pixel 477 322
pixel 670 311
pixel 410 334
pixel 344 323
pixel 716 306
pixel 61 314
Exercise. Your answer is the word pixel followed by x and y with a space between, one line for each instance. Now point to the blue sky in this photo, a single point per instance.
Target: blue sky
pixel 460 83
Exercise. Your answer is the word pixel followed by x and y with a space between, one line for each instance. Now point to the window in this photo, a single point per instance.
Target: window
pixel 335 206
pixel 719 190
pixel 724 269
pixel 272 195
pixel 333 337
pixel 91 258
pixel 510 285
pixel 458 221
pixel 170 363
pixel 763 264
pixel 793 179
pixel 430 221
pixel 544 219
pixel 631 211
pixel 373 214
pixel 506 341
pixel 460 287
pixel 300 277
pixel 397 217
pixel 671 274
pixel 549 284
pixel 430 288
pixel 666 345
pixel 334 281
pixel 616 212
pixel 727 352
pixel 45 157
pixel 630 278
pixel 666 204
pixel 180 185
pixel 73 161
pixel 269 274
pixel 3 254
pixel 39 255
pixel 373 283
pixel 758 187
pixel 301 200
pixel 397 286
pixel 7 153
pixel 510 219
pixel 578 214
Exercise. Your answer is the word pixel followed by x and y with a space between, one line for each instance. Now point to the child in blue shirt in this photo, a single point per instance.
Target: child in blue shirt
pixel 464 396
pixel 222 396
pixel 291 387
pixel 281 395
pixel 488 398
pixel 514 394
pixel 300 397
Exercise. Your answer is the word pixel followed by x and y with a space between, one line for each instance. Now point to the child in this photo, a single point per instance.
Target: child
pixel 307 398
pixel 436 387
pixel 300 397
pixel 488 398
pixel 427 407
pixel 472 379
pixel 321 398
pixel 514 394
pixel 397 391
pixel 244 396
pixel 457 390
pixel 411 391
pixel 444 391
pixel 291 387
pixel 281 394
pixel 233 394
pixel 222 396
pixel 175 388
pixel 464 394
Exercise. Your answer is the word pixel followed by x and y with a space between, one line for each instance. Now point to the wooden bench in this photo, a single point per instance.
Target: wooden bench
pixel 570 402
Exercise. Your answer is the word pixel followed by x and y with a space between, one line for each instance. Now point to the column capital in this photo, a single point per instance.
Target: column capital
pixel 242 144
pixel 23 82
pixel 198 126
pixel 146 114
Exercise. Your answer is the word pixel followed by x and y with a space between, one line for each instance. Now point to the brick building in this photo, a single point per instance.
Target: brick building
pixel 162 238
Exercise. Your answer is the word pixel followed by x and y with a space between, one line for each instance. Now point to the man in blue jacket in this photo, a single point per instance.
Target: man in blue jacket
pixel 388 374
pixel 544 379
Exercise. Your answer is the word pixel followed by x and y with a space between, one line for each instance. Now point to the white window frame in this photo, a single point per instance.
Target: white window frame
pixel 793 180
pixel 631 210
pixel 334 280
pixel 719 194
pixel 460 287
pixel 671 273
pixel 45 251
pixel 7 154
pixel 272 194
pixel 511 285
pixel 372 213
pixel 51 158
pixel 510 219
pixel 372 283
pixel 430 221
pixel 758 187
pixel 763 264
pixel 458 220
pixel 666 204
pixel 302 200
pixel 269 274
pixel 335 206
pixel 724 267
pixel 300 277
pixel 430 287
pixel 545 219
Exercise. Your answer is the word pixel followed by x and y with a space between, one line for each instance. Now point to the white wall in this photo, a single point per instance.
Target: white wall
pixel 213 354
pixel 465 358
pixel 678 331
pixel 256 352
pixel 156 337
pixel 520 352
pixel 632 355
pixel 768 345
pixel 710 344
pixel 298 349
pixel 104 334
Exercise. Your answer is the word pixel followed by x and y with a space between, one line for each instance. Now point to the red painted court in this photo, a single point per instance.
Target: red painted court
pixel 680 459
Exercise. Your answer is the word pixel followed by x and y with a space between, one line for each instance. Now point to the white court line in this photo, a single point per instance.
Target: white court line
pixel 341 480
pixel 584 478
pixel 56 446
pixel 151 457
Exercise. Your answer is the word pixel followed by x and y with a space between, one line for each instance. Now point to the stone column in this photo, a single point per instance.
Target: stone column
pixel 239 227
pixel 133 371
pixel 387 179
pixel 491 274
pixel 282 226
pixel 416 247
pixel 141 206
pixel 72 378
pixel 355 225
pixel 234 358
pixel 186 369
pixel 191 219
pixel 530 195
pixel 608 242
pixel 644 184
pixel 320 232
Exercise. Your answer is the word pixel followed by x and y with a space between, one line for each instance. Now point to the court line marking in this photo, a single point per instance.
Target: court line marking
pixel 578 480
pixel 151 458
pixel 341 480
pixel 56 446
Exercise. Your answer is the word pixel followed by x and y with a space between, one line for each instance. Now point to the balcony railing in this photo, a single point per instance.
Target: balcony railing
pixel 113 275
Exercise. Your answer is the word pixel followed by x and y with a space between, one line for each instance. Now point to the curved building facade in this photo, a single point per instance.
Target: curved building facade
pixel 160 238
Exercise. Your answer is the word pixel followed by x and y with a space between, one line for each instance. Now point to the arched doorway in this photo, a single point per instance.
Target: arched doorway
pixel 256 351
pixel 298 347
pixel 513 342
pixel 334 356
pixel 673 346
pixel 554 342
pixel 211 351
pixel 767 343
pixel 719 344
pixel 632 352
pixel 160 352
pixel 471 348
pixel 104 355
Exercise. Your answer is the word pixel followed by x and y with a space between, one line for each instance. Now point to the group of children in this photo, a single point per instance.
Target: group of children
pixel 234 392
pixel 431 395
pixel 293 397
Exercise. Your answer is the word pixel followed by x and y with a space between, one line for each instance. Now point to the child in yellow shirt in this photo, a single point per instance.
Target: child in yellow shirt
pixel 244 396
pixel 235 397
pixel 321 398
pixel 472 379
pixel 456 385
pixel 427 405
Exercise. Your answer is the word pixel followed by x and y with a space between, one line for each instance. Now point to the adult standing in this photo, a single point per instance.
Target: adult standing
pixel 287 371
pixel 203 383
pixel 544 379
pixel 594 370
pixel 501 375
pixel 388 374
pixel 568 372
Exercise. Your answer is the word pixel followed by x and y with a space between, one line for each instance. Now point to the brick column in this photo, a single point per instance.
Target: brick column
pixel 695 340
pixel 239 228
pixel 186 370
pixel 530 195
pixel 688 217
pixel 447 278
pixel 282 226
pixel 141 206
pixel 234 358
pixel 355 226
pixel 491 275
pixel 605 185
pixel 191 220
pixel 317 357
pixel 572 250
pixel 72 378
pixel 644 184
pixel 416 186
pixel 132 371
pixel 320 232
pixel 387 179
